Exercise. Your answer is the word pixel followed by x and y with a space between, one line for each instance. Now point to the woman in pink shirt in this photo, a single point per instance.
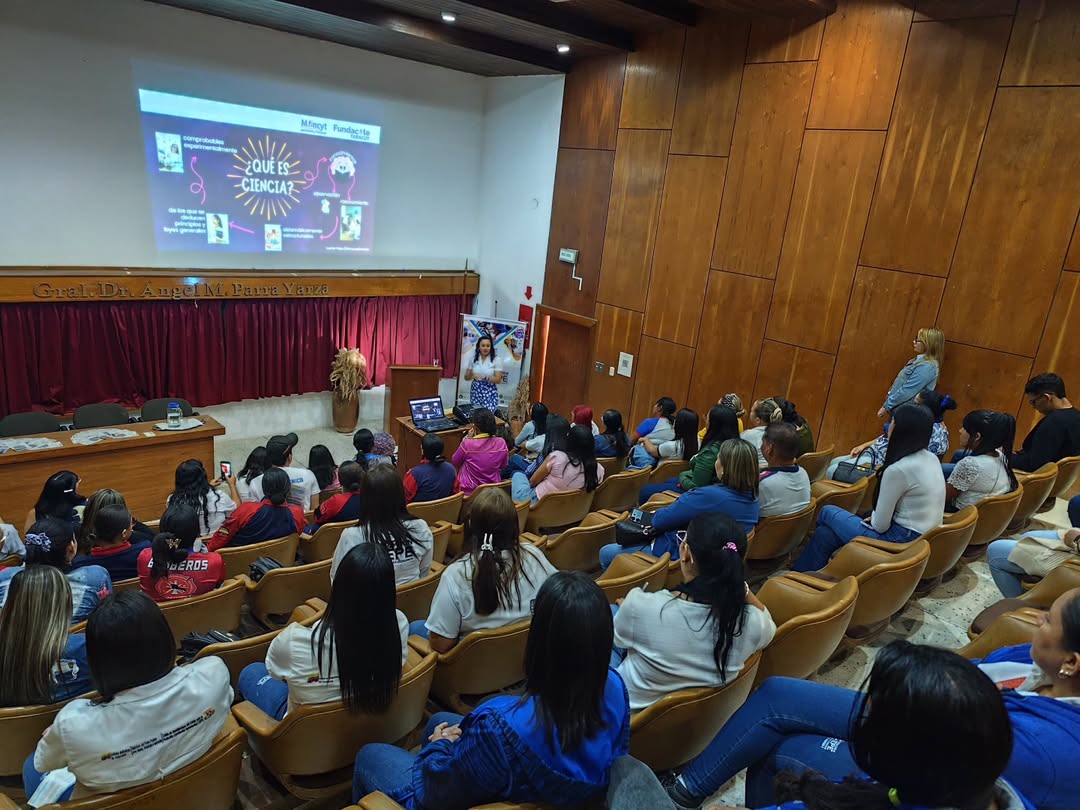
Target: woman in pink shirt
pixel 482 455
pixel 572 469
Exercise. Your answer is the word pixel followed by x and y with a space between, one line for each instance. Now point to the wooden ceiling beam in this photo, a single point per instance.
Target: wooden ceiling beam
pixel 679 11
pixel 559 20
pixel 790 8
pixel 367 13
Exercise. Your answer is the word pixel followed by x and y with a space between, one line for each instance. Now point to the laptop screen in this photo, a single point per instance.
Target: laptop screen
pixel 424 410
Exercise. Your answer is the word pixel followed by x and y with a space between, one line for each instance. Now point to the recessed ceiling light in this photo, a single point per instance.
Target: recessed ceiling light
pixel 448 17
pixel 562 48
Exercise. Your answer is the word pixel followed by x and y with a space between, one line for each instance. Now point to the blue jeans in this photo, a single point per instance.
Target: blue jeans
pixel 613 550
pixel 418 628
pixel 257 686
pixel 387 768
pixel 516 464
pixel 1008 576
pixel 1074 510
pixel 647 491
pixel 521 489
pixel 787 724
pixel 836 528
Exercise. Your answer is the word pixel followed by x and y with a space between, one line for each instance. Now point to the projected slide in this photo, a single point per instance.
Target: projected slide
pixel 240 179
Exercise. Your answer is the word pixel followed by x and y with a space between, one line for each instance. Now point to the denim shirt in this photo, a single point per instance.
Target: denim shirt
pixel 916 375
pixel 89 585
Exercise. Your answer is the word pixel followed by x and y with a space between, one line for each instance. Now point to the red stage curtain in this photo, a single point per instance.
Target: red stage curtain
pixel 57 357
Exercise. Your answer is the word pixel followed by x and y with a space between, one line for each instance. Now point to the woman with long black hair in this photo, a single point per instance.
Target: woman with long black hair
pixel 267 519
pixel 354 653
pixel 171 568
pixel 562 470
pixel 647 453
pixel 194 488
pixel 612 442
pixel 60 499
pixel 723 425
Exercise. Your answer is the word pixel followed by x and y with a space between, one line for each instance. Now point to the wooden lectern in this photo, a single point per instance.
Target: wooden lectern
pixel 408 382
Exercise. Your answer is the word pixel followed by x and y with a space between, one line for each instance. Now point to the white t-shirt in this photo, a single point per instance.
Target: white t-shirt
pixel 291 658
pixel 453 610
pixel 220 505
pixel 664 431
pixel 144 733
pixel 911 494
pixel 669 644
pixel 784 491
pixel 304 487
pixel 408 567
pixel 978 477
pixel 754 435
pixel 670 449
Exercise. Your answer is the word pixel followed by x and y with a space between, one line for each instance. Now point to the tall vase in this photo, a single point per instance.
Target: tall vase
pixel 346 412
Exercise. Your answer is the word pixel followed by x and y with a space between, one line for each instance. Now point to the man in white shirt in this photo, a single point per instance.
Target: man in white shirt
pixel 304 491
pixel 784 487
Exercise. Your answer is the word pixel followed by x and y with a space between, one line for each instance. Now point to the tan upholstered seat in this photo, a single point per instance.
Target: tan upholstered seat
pixel 20 729
pixel 483 662
pixel 1037 488
pixel 676 728
pixel 668 469
pixel 503 485
pixel 637 570
pixel 1011 627
pixel 448 509
pixel 810 624
pixel 281 590
pixel 558 510
pixel 887 575
pixel 848 497
pixel 620 491
pixel 321 545
pixel 612 466
pixel 816 463
pixel 995 513
pixel 238 559
pixel 209 782
pixel 578 549
pixel 1067 473
pixel 1063 578
pixel 126 585
pixel 440 533
pixel 217 610
pixel 947 544
pixel 414 598
pixel 774 539
pixel 311 751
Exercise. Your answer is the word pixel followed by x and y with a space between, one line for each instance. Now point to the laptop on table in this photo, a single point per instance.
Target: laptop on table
pixel 429 415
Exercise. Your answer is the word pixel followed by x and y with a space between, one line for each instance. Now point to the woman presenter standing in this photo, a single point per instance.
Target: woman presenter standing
pixel 485 376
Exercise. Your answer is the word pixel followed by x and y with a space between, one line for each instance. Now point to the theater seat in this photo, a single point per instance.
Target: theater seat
pixel 676 728
pixel 444 509
pixel 1012 627
pixel 28 424
pixel 483 662
pixel 104 414
pixel 20 728
pixel 620 491
pixel 947 544
pixel 414 598
pixel 1040 596
pixel 1067 474
pixel 612 466
pixel 668 469
pixel 629 571
pixel 238 559
pixel 995 513
pixel 157 410
pixel 1037 488
pixel 816 463
pixel 558 510
pixel 848 497
pixel 322 544
pixel 311 751
pixel 281 590
pixel 217 610
pixel 774 538
pixel 578 548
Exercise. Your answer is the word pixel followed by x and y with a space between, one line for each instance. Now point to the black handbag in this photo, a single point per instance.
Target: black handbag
pixel 259 568
pixel 635 532
pixel 850 472
pixel 192 643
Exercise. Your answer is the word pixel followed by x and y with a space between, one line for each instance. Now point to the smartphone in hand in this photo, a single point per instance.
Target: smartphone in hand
pixel 226 469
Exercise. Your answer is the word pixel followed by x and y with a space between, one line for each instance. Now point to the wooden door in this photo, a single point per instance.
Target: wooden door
pixel 560 366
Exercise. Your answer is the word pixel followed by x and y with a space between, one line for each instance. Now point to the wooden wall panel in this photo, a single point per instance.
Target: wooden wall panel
pixel 960 9
pixel 942 106
pixel 578 220
pixel 592 97
pixel 861 55
pixel 1072 261
pixel 784 39
pixel 1019 221
pixel 801 375
pixel 886 311
pixel 709 87
pixel 636 186
pixel 764 158
pixel 824 230
pixel 680 272
pixel 732 328
pixel 617 330
pixel 1058 352
pixel 652 81
pixel 662 370
pixel 981 378
pixel 1045 46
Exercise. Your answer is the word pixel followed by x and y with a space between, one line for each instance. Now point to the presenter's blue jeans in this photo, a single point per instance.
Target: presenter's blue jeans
pixel 836 528
pixel 387 768
pixel 787 724
pixel 255 684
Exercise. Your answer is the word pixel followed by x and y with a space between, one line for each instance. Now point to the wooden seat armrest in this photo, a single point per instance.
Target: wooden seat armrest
pixel 854 559
pixel 301 613
pixel 436 568
pixel 534 539
pixel 420 644
pixel 378 801
pixel 883 545
pixel 316 604
pixel 305 537
pixel 811 580
pixel 7 803
pixel 610 514
pixel 249 583
pixel 1058 581
pixel 254 720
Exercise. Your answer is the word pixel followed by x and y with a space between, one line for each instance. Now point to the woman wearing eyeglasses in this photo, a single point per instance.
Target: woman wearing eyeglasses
pixel 920 372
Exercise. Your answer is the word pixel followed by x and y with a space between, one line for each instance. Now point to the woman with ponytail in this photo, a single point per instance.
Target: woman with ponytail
pixel 699 634
pixel 647 453
pixel 257 521
pixel 433 478
pixel 494 584
pixel 984 470
pixel 613 442
pixel 763 414
pixel 171 568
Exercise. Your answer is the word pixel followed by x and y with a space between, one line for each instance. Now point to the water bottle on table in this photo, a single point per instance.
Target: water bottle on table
pixel 173 415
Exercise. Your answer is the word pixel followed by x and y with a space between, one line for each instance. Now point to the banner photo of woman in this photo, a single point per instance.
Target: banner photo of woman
pixel 491 353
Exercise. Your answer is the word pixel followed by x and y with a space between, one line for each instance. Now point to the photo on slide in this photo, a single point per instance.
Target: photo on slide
pixel 170 155
pixel 351 221
pixel 272 237
pixel 492 351
pixel 217 229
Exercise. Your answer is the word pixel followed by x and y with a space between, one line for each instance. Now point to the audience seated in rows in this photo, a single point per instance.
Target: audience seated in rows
pixel 496 581
pixel 434 478
pixel 764 412
pixel 562 470
pixel 723 425
pixel 323 467
pixel 612 441
pixel 303 486
pixel 651 449
pixel 699 634
pixel 481 456
pixel 659 426
pixel 119 739
pixel 985 470
pixel 51 542
pixel 784 486
pixel 354 653
pixel 556 744
pixel 267 519
pixel 194 488
pixel 1057 434
pixel 385 520
pixel 735 495
pixel 344 505
pixel 583 415
pixel 40 662
pixel 176 565
pixel 255 465
pixel 909 500
pixel 530 438
pixel 113 548
pixel 731 401
pixel 803 431
pixel 371 449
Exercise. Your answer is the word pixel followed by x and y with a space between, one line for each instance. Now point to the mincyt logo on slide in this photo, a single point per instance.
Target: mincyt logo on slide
pixel 251 180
